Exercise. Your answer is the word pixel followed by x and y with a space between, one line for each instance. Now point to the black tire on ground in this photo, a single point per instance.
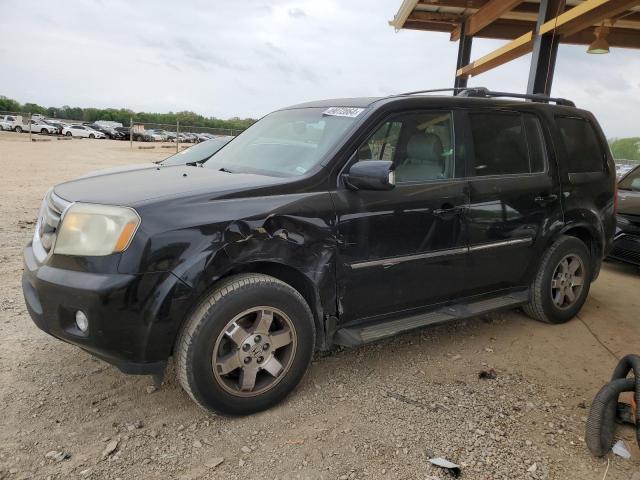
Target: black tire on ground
pixel 68 134
pixel 196 342
pixel 541 306
pixel 44 131
pixel 91 135
pixel 18 129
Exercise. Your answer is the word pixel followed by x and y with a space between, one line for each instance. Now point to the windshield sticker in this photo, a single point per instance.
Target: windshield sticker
pixel 343 111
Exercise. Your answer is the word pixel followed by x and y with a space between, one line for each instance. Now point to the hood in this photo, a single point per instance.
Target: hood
pixel 629 202
pixel 136 184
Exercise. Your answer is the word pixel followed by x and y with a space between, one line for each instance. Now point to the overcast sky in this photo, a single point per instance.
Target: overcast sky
pixel 246 58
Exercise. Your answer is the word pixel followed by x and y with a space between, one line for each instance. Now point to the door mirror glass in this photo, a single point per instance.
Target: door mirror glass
pixel 371 175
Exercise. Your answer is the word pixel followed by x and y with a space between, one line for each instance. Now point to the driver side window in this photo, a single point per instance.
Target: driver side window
pixel 420 145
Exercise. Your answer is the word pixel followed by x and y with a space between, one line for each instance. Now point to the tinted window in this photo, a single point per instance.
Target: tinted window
pixel 420 146
pixel 584 153
pixel 500 144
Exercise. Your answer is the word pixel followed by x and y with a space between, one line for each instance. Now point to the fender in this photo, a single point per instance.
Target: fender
pixel 586 225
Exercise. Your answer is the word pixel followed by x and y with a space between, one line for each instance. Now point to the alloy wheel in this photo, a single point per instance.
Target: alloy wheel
pixel 567 281
pixel 254 351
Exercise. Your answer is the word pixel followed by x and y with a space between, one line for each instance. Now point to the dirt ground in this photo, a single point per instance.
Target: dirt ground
pixel 379 411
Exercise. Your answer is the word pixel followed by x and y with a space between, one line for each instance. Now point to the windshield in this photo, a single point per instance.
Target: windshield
pixel 198 153
pixel 285 143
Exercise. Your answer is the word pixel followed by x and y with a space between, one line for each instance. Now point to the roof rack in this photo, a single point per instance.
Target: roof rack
pixel 536 97
pixel 483 92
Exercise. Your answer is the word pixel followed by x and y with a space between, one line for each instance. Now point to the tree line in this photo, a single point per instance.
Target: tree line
pixel 123 115
pixel 625 148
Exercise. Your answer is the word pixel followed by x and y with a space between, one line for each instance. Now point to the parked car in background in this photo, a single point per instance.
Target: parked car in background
pixel 58 125
pixel 109 132
pixel 11 120
pixel 4 124
pixel 626 243
pixel 622 169
pixel 42 127
pixel 336 222
pixel 156 134
pixel 125 132
pixel 82 131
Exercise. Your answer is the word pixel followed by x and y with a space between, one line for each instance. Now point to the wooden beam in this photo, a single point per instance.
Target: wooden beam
pixel 617 37
pixel 514 49
pixel 585 15
pixel 420 16
pixel 485 15
pixel 428 26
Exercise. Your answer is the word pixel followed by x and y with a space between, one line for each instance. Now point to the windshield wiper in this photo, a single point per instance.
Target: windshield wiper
pixel 195 164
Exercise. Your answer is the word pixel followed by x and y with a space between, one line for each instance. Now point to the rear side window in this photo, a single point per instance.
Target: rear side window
pixel 506 143
pixel 583 150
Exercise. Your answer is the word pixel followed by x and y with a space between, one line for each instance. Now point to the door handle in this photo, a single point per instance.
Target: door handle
pixel 442 212
pixel 545 199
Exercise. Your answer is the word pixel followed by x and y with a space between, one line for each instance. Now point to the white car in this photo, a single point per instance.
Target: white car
pixel 8 122
pixel 38 126
pixel 82 131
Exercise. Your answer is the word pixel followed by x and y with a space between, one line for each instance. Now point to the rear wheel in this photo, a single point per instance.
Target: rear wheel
pixel 562 283
pixel 246 346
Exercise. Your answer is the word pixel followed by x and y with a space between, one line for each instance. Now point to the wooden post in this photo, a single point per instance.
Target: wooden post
pixel 30 134
pixel 130 133
pixel 177 135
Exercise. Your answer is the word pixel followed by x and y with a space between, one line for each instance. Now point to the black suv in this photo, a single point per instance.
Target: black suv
pixel 337 222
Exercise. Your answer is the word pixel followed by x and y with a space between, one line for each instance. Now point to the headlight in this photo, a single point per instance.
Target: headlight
pixel 94 230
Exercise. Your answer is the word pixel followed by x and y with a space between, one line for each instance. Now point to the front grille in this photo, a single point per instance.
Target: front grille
pixel 627 247
pixel 51 211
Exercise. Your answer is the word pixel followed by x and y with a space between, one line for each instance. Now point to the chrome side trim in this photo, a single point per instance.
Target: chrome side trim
pixel 503 243
pixel 389 262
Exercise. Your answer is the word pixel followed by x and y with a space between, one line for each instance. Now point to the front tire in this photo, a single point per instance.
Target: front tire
pixel 68 134
pixel 18 129
pixel 562 283
pixel 246 346
pixel 91 135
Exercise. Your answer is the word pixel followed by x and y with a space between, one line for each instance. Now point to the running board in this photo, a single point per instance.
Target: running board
pixel 370 332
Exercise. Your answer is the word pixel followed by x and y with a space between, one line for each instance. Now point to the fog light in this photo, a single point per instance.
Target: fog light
pixel 82 322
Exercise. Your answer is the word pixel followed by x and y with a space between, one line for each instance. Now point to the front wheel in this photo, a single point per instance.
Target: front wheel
pixel 68 134
pixel 91 135
pixel 562 283
pixel 246 346
pixel 18 129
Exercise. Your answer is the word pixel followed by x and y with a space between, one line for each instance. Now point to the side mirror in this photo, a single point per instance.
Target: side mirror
pixel 371 175
pixel 635 184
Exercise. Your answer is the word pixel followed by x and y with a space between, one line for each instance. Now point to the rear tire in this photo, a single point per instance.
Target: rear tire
pixel 246 346
pixel 562 283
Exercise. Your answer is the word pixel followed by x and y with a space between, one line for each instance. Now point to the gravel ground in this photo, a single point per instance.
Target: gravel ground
pixel 380 411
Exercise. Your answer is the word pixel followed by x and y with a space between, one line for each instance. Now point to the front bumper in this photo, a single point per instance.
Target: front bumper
pixel 133 319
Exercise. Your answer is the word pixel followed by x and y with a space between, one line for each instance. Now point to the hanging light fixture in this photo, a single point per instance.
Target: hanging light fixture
pixel 600 44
